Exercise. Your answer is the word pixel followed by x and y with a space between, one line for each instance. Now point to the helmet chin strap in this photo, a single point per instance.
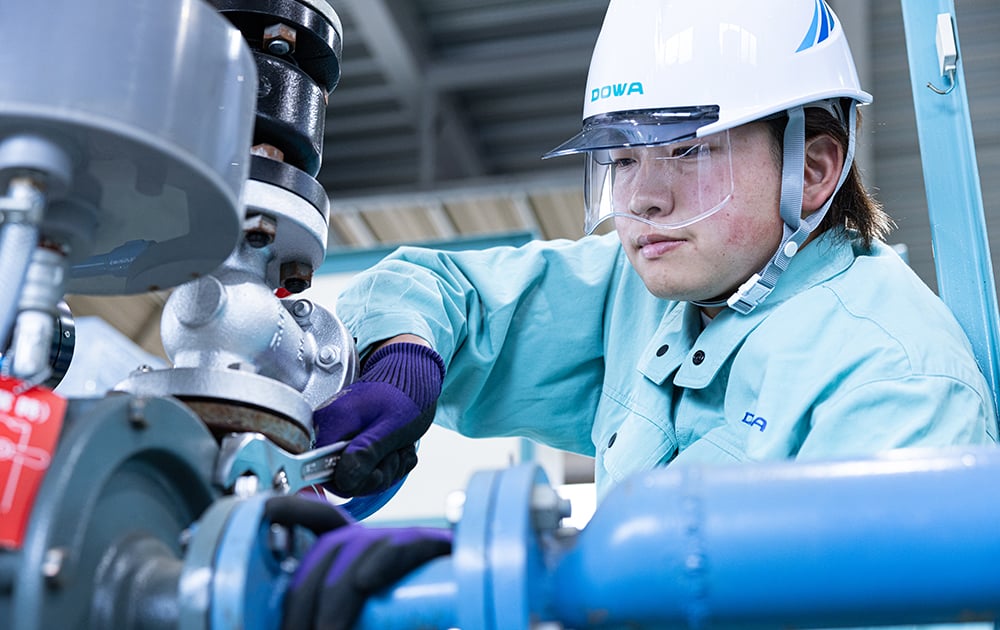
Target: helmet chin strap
pixel 796 229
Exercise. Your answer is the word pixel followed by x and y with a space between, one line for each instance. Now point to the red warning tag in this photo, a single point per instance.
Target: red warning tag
pixel 30 422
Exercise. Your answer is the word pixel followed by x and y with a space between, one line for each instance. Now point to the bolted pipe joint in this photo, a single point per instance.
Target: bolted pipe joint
pixel 233 318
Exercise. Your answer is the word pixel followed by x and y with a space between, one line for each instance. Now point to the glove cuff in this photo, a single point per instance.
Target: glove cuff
pixel 413 368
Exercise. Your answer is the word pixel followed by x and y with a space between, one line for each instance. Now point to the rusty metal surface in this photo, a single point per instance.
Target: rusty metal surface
pixel 224 417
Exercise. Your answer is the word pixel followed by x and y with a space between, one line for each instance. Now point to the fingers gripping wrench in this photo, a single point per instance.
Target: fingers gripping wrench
pixel 252 454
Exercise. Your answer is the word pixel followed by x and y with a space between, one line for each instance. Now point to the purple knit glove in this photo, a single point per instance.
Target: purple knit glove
pixel 382 414
pixel 346 565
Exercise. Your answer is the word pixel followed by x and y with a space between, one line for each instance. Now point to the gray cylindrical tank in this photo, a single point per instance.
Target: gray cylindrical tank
pixel 153 100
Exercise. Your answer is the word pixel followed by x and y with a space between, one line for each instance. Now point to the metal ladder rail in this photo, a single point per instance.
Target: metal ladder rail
pixel 951 178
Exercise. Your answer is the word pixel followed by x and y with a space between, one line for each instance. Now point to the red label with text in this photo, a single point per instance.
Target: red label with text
pixel 30 422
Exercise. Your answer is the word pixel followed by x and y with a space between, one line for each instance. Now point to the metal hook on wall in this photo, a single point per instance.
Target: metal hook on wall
pixel 947 50
pixel 951 84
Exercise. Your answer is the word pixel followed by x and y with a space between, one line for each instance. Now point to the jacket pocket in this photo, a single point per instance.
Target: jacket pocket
pixel 637 445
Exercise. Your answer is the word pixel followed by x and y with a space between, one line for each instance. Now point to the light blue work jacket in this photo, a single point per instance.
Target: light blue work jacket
pixel 561 342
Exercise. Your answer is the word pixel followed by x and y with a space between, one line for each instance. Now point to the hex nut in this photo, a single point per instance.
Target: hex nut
pixel 296 277
pixel 259 230
pixel 279 39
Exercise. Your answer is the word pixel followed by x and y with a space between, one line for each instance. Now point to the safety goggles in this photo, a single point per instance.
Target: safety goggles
pixel 668 186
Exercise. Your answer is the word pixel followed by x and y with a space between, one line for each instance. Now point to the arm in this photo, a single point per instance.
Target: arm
pixel 520 330
pixel 511 334
pixel 405 338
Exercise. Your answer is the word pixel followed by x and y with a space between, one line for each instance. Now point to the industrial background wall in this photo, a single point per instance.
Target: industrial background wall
pixel 445 106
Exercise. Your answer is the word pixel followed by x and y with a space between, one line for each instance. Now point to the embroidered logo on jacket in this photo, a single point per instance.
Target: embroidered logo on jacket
pixel 754 421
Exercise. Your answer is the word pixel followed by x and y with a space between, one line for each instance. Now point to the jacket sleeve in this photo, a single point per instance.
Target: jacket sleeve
pixel 521 331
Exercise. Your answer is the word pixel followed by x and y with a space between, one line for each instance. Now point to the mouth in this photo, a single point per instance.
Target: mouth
pixel 656 245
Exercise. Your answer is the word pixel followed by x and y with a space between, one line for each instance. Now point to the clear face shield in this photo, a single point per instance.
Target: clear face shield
pixel 668 186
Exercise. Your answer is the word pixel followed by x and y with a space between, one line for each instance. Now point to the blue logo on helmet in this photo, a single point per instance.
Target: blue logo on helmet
pixel 820 28
pixel 616 89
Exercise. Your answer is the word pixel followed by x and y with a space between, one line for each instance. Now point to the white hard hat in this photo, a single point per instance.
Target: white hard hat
pixel 663 70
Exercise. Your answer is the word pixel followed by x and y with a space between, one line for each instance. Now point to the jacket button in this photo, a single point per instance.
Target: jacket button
pixel 662 350
pixel 698 357
pixel 614 436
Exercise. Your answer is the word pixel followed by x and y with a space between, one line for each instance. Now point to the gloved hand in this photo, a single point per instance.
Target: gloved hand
pixel 347 563
pixel 383 414
pixel 350 563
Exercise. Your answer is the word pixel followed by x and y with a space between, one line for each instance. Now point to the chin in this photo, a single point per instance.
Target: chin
pixel 667 291
pixel 678 294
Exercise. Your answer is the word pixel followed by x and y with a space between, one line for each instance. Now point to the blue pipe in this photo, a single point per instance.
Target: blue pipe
pixel 906 538
pixel 893 540
pixel 429 600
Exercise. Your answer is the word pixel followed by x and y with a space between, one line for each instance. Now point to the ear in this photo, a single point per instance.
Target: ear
pixel 824 161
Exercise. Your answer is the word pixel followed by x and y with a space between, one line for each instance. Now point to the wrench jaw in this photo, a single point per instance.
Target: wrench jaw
pixel 250 462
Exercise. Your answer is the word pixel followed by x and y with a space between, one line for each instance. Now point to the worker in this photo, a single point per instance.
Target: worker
pixel 745 308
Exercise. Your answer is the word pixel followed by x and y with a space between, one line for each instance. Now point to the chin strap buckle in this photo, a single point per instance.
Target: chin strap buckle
pixel 749 295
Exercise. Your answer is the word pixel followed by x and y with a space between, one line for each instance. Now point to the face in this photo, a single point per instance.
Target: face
pixel 711 258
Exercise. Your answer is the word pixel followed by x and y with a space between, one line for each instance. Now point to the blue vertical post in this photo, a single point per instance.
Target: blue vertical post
pixel 951 181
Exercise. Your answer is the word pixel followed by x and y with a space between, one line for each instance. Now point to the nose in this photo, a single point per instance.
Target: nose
pixel 651 194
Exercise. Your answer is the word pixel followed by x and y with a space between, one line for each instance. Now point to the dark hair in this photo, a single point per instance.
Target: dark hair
pixel 853 206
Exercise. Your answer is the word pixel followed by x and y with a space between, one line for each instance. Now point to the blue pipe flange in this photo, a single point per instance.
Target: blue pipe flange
pixel 470 552
pixel 498 576
pixel 232 575
pixel 242 556
pixel 506 532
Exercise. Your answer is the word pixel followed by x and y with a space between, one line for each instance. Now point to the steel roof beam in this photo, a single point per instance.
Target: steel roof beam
pixel 386 33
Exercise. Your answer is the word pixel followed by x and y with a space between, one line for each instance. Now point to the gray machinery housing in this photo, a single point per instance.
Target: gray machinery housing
pixel 182 156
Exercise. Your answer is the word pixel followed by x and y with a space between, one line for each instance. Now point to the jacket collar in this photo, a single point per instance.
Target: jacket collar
pixel 697 355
